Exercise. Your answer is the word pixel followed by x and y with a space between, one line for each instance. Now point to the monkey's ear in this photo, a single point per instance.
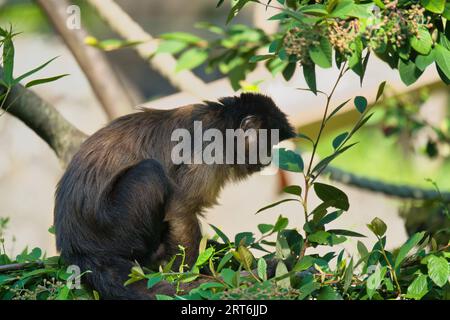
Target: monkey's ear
pixel 250 122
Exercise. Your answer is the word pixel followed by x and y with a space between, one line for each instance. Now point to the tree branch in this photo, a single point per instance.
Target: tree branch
pixel 44 120
pixel 165 64
pixel 107 88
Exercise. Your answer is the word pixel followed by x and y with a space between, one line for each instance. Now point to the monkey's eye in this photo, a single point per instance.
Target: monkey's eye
pixel 250 122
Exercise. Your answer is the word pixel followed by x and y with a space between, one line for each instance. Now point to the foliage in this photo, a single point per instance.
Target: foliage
pixel 419 269
pixel 402 118
pixel 231 271
pixel 33 276
pixel 408 35
pixel 7 80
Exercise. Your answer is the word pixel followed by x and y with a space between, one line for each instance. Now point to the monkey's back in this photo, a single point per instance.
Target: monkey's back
pixel 81 223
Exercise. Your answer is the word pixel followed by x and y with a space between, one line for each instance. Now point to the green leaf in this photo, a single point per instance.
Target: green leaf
pixel 442 56
pixel 243 239
pixel 438 270
pixel 63 293
pixel 328 293
pixel 336 110
pixel 294 189
pixel 374 281
pixel 443 77
pixel 235 9
pixel 275 204
pixel 265 228
pixel 111 44
pixel 307 289
pixel 281 270
pixel 379 3
pixel 226 258
pixel 446 13
pixel 327 193
pixel 191 59
pixel 436 6
pixel 406 248
pixel 304 136
pixel 204 257
pixel 347 233
pixel 246 257
pixel 262 269
pixel 423 42
pixel 377 226
pixel 152 281
pixel 31 72
pixel 281 224
pixel 321 54
pixel 8 60
pixel 330 217
pixel 282 247
pixel 182 36
pixel 220 234
pixel 363 251
pixel 380 90
pixel 275 45
pixel 44 80
pixel 422 62
pixel 304 263
pixel 360 104
pixel 261 57
pixel 320 237
pixel 288 160
pixel 171 46
pixel 309 72
pixel 342 9
pixel 314 9
pixel 409 73
pixel 210 27
pixel 289 71
pixel 35 254
pixel 361 123
pixel 339 139
pixel 163 297
pixel 418 288
pixel 52 230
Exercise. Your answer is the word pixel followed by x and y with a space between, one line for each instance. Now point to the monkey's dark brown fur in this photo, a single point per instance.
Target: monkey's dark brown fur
pixel 123 200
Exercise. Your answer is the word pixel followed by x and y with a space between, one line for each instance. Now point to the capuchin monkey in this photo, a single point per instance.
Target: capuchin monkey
pixel 123 200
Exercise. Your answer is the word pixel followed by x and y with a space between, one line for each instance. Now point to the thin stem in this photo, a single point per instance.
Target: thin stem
pixel 5 97
pixel 268 5
pixel 322 125
pixel 307 177
pixel 393 274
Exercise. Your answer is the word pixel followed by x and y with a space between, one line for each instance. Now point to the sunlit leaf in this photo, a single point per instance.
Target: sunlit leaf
pixel 44 80
pixel 438 270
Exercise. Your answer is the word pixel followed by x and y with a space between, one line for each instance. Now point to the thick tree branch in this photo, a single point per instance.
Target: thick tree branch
pixel 107 88
pixel 165 64
pixel 45 121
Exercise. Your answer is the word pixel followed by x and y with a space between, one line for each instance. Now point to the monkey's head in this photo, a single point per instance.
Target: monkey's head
pixel 257 120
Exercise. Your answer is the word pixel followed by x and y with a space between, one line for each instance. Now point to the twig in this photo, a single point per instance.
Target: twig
pixel 322 125
pixel 165 64
pixel 63 137
pixel 20 266
pixel 104 82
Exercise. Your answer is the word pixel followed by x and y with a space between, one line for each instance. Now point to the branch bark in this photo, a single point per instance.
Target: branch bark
pixel 165 64
pixel 107 88
pixel 63 137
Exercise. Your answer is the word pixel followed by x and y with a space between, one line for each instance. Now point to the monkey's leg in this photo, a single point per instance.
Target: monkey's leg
pixel 131 209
